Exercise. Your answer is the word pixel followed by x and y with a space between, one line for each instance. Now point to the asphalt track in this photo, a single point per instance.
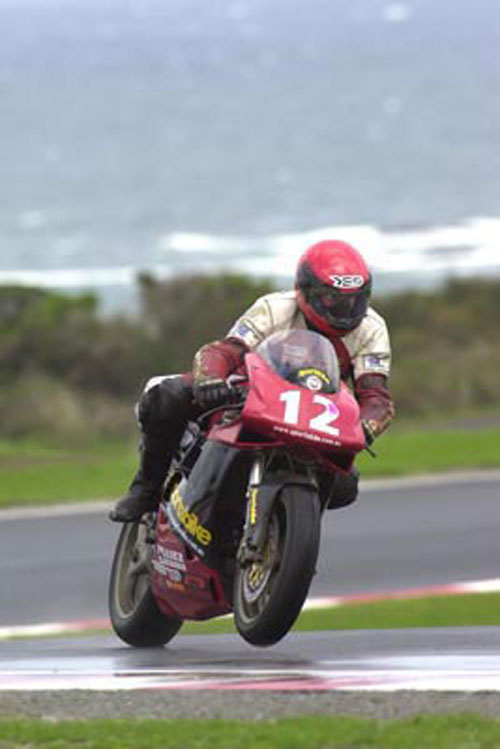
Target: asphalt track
pixel 397 536
pixel 442 660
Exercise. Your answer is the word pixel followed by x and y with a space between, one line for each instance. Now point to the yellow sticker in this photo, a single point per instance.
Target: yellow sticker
pixel 253 506
pixel 318 372
pixel 189 519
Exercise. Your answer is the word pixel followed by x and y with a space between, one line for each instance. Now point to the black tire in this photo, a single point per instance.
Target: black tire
pixel 134 613
pixel 266 608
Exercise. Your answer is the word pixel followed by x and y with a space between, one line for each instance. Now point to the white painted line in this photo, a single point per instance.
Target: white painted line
pixel 51 511
pixel 482 586
pixel 464 678
pixel 435 479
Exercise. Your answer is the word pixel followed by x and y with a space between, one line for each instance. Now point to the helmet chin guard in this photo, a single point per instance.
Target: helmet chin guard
pixel 333 286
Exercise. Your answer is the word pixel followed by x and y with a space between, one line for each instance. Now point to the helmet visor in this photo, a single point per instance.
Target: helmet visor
pixel 343 310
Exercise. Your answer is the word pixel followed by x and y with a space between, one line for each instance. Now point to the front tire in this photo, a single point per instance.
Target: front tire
pixel 134 613
pixel 268 596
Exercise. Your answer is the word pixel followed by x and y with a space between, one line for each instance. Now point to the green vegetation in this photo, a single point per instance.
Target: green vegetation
pixel 67 372
pixel 446 347
pixel 315 732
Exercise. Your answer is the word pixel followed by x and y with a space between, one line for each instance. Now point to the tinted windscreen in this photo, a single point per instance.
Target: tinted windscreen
pixel 303 358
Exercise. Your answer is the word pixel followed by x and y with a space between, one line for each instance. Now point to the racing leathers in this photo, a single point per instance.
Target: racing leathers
pixel 169 402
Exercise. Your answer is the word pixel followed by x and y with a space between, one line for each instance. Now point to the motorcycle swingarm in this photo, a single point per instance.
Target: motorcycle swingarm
pixel 260 501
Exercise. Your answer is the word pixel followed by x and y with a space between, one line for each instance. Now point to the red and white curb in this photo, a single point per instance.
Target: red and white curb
pixel 323 602
pixel 428 591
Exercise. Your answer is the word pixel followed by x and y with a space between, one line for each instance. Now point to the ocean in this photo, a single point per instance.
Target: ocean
pixel 194 136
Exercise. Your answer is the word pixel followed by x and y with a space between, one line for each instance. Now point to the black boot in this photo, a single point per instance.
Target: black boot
pixel 144 493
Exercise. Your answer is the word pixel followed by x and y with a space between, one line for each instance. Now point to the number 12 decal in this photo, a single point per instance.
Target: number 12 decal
pixel 322 423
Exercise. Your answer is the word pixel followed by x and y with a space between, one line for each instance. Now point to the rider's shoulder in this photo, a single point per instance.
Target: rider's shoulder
pixel 281 298
pixel 374 319
pixel 282 306
pixel 371 327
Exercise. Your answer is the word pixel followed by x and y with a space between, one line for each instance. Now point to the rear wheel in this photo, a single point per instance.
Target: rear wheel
pixel 134 613
pixel 268 595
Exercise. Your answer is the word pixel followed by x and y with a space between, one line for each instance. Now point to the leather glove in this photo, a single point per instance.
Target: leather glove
pixel 211 393
pixel 370 430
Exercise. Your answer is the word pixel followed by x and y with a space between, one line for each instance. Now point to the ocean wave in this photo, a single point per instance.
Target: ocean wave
pixel 67 278
pixel 473 243
pixel 472 246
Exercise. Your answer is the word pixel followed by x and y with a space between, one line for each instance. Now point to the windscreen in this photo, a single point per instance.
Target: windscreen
pixel 304 358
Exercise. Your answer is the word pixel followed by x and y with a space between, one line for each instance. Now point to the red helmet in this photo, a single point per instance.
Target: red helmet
pixel 333 286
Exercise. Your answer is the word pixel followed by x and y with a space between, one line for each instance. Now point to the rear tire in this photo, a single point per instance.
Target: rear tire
pixel 134 613
pixel 268 597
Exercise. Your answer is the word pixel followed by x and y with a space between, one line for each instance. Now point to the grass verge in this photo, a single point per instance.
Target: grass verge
pixel 322 732
pixel 33 473
pixel 406 451
pixel 469 610
pixel 465 610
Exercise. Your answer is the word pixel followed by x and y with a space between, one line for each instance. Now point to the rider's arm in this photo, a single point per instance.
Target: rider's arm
pixel 371 368
pixel 218 359
pixel 375 403
pixel 213 363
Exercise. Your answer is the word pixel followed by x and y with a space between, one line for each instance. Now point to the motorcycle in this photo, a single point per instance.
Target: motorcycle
pixel 238 527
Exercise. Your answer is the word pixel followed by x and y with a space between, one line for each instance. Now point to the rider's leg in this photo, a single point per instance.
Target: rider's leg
pixel 163 411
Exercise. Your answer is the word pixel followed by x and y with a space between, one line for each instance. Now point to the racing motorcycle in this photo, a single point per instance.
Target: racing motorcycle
pixel 238 527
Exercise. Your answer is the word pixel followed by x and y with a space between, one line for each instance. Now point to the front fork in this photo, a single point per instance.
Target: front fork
pixel 259 503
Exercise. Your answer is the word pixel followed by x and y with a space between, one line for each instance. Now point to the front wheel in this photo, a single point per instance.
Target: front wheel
pixel 268 595
pixel 134 613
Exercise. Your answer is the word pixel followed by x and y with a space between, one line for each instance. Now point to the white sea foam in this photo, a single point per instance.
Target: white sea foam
pixel 473 244
pixel 470 247
pixel 67 278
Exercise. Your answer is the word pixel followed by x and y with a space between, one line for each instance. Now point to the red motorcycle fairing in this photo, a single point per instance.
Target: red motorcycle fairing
pixel 191 509
pixel 183 585
pixel 291 415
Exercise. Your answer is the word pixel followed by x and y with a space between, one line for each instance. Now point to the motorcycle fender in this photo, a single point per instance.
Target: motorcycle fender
pixel 260 503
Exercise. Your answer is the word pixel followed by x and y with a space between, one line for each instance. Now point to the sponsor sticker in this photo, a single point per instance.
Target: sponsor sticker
pixel 173 575
pixel 347 282
pixel 242 330
pixel 189 519
pixel 313 379
pixel 376 362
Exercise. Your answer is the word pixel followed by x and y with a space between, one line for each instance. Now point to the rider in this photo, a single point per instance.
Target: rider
pixel 331 296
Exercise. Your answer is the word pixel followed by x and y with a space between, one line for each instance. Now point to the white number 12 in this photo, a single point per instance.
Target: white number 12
pixel 322 423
